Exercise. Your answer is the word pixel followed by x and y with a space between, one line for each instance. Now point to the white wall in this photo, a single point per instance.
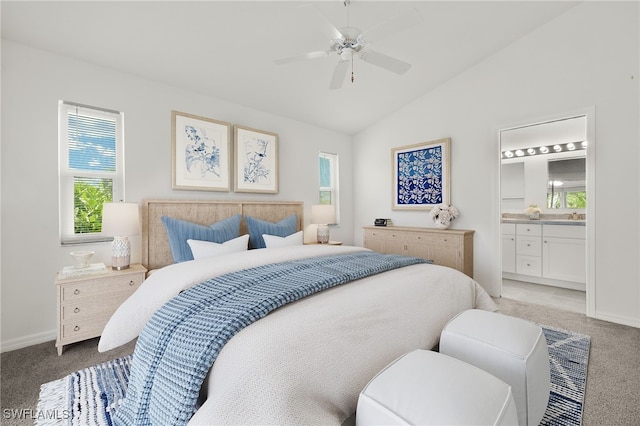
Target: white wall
pixel 585 58
pixel 33 82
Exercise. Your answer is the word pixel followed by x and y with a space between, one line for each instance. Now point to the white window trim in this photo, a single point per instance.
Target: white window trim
pixel 66 175
pixel 335 182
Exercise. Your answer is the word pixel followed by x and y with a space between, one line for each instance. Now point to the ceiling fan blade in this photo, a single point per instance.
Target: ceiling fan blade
pixel 392 26
pixel 328 28
pixel 339 73
pixel 308 55
pixel 384 61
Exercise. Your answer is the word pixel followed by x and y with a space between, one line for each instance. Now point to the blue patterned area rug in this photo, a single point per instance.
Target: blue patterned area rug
pixel 568 359
pixel 90 397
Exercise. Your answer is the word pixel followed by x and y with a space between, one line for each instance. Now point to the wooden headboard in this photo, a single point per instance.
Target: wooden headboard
pixel 155 243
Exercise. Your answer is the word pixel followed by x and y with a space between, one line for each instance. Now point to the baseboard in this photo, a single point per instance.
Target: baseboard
pixel 618 319
pixel 30 340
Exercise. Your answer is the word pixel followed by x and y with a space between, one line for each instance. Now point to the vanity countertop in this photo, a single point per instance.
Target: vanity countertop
pixel 546 221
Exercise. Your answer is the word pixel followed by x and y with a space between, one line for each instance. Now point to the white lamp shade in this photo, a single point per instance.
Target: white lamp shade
pixel 120 219
pixel 323 214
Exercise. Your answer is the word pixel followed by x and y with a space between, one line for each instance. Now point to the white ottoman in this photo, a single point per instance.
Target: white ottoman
pixel 512 349
pixel 428 388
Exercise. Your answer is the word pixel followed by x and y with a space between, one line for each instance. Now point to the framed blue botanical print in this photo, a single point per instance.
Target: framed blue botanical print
pixel 421 175
pixel 201 153
pixel 256 160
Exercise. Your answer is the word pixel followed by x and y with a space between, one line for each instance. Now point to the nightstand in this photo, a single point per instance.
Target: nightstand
pixel 86 303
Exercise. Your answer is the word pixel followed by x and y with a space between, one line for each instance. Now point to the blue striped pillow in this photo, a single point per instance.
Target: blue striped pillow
pixel 179 231
pixel 257 227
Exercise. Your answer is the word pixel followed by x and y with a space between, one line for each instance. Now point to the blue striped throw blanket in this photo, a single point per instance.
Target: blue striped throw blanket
pixel 180 343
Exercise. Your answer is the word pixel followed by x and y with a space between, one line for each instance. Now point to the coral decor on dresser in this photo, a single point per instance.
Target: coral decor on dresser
pixel 442 215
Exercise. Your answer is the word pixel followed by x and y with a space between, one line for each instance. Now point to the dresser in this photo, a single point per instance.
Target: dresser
pixel 446 247
pixel 86 303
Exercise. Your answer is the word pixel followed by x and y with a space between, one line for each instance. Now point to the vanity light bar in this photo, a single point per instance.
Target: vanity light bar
pixel 571 146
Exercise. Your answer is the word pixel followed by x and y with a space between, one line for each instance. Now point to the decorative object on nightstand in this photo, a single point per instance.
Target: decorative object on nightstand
pixel 120 220
pixel 85 303
pixel 323 215
pixel 81 258
pixel 442 215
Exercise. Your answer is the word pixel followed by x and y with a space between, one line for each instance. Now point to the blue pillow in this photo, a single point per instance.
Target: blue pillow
pixel 257 227
pixel 179 231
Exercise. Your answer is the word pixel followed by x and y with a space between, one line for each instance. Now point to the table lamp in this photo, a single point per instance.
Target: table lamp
pixel 120 220
pixel 322 215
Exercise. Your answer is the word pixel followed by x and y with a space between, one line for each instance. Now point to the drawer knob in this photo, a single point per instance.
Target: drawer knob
pixel 528 245
pixel 131 282
pixel 76 310
pixel 76 328
pixel 76 291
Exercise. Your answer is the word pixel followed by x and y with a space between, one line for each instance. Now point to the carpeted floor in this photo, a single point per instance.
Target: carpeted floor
pixel 613 379
pixel 612 397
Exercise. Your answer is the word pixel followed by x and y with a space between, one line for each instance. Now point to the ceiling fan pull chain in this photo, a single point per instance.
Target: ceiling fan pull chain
pixel 352 75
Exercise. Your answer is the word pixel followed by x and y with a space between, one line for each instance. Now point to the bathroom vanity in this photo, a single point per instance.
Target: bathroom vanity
pixel 551 252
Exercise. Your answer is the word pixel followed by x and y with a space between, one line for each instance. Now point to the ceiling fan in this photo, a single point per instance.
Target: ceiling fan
pixel 348 42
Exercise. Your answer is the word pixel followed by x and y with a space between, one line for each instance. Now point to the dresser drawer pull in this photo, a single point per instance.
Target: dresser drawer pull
pixel 132 282
pixel 76 328
pixel 76 310
pixel 76 291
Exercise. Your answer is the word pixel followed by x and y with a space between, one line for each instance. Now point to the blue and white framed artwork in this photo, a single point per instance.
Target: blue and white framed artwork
pixel 201 153
pixel 421 175
pixel 256 161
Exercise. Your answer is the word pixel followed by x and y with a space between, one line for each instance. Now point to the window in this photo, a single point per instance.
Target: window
pixel 328 171
pixel 90 168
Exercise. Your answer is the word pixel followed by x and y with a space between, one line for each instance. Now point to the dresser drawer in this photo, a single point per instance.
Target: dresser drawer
pixel 102 286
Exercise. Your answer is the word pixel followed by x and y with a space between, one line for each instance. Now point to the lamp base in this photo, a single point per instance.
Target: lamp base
pixel 323 234
pixel 120 253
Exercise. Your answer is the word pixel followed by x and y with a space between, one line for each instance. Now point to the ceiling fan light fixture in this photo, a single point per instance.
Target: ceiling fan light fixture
pixel 346 54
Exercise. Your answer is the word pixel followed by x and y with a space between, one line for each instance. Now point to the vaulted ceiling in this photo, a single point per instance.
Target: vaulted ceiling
pixel 227 49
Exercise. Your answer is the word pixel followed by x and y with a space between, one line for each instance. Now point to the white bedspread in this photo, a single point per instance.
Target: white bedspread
pixel 307 362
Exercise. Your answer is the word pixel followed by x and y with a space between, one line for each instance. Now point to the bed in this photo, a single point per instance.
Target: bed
pixel 305 361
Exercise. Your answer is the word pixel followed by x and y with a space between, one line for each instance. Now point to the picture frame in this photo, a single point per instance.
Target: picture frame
pixel 201 153
pixel 421 175
pixel 256 160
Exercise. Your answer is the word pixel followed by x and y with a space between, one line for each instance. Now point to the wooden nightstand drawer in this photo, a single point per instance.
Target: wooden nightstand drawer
pixel 100 286
pixel 89 308
pixel 76 331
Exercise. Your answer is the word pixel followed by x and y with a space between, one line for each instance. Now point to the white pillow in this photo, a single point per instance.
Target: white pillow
pixel 203 249
pixel 273 241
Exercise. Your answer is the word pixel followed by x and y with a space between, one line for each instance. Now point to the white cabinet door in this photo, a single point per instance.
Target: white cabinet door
pixel 509 253
pixel 564 259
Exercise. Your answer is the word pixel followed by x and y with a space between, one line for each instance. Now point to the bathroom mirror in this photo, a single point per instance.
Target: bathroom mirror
pixel 566 187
